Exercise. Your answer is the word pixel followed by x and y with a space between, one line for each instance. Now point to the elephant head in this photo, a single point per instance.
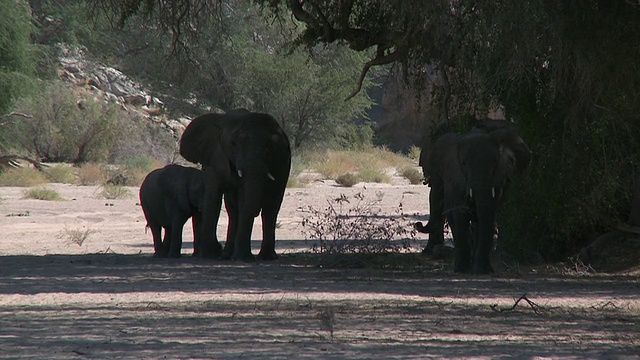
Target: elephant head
pixel 468 175
pixel 245 156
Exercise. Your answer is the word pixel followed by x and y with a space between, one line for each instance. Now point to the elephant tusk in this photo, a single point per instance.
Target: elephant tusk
pixel 470 193
pixel 270 177
pixel 493 192
pixel 240 173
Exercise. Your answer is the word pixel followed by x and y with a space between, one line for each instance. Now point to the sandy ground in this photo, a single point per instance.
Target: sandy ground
pixel 106 297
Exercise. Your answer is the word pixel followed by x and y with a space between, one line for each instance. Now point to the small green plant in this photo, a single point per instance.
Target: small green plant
pixel 374 175
pixel 344 227
pixel 414 152
pixel 111 191
pixel 136 168
pixel 61 173
pixel 22 177
pixel 76 236
pixel 42 193
pixel 414 176
pixel 347 180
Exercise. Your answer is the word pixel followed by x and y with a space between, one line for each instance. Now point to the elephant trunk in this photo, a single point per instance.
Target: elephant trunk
pixel 484 205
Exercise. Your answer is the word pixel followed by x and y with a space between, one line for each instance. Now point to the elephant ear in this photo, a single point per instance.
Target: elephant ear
pixel 200 138
pixel 514 152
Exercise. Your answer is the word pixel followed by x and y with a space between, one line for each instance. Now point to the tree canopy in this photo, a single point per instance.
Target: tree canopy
pixel 564 71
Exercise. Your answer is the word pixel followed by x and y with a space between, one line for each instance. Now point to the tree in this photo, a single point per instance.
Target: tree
pixel 17 60
pixel 565 71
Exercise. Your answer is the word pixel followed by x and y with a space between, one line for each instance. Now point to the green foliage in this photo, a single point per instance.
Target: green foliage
pixel 303 88
pixel 17 60
pixel 42 193
pixel 66 127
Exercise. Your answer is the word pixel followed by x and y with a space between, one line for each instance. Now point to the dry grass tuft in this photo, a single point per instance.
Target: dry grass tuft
pixel 22 177
pixel 91 174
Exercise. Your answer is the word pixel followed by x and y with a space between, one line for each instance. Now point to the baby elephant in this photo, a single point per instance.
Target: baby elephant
pixel 169 197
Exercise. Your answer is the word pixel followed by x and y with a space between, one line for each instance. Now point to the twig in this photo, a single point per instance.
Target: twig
pixel 535 307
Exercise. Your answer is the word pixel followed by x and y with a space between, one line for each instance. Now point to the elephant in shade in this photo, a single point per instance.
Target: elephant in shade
pixel 169 197
pixel 468 175
pixel 246 157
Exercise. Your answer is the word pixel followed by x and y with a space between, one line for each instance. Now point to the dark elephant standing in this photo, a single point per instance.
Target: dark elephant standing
pixel 169 197
pixel 246 157
pixel 468 174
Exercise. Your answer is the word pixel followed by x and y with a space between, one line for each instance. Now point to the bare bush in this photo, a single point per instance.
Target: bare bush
pixel 343 227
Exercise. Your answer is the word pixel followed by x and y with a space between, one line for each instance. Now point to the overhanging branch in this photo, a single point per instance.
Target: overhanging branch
pixel 380 59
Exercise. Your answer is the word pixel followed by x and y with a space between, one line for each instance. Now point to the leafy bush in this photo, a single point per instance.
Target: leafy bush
pixel 358 228
pixel 136 168
pixel 347 180
pixel 23 177
pixel 61 173
pixel 42 193
pixel 66 126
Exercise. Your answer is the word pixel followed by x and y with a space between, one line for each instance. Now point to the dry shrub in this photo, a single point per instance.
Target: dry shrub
pixel 369 164
pixel 22 177
pixel 414 176
pixel 374 175
pixel 62 173
pixel 91 174
pixel 414 152
pixel 111 191
pixel 357 227
pixel 42 193
pixel 347 180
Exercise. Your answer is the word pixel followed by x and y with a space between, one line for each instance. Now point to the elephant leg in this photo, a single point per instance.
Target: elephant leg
pixel 435 227
pixel 175 247
pixel 459 222
pixel 242 248
pixel 159 250
pixel 208 245
pixel 196 223
pixel 231 204
pixel 242 240
pixel 483 244
pixel 269 219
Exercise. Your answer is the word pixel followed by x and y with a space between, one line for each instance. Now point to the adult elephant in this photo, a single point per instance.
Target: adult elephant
pixel 468 175
pixel 246 157
pixel 169 197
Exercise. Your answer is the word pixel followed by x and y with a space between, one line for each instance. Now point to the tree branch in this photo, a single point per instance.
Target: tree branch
pixel 378 60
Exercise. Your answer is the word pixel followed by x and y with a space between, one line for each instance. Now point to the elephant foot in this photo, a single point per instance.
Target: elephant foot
pixel 431 245
pixel 480 269
pixel 173 255
pixel 209 251
pixel 245 256
pixel 421 228
pixel 159 255
pixel 462 266
pixel 267 255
